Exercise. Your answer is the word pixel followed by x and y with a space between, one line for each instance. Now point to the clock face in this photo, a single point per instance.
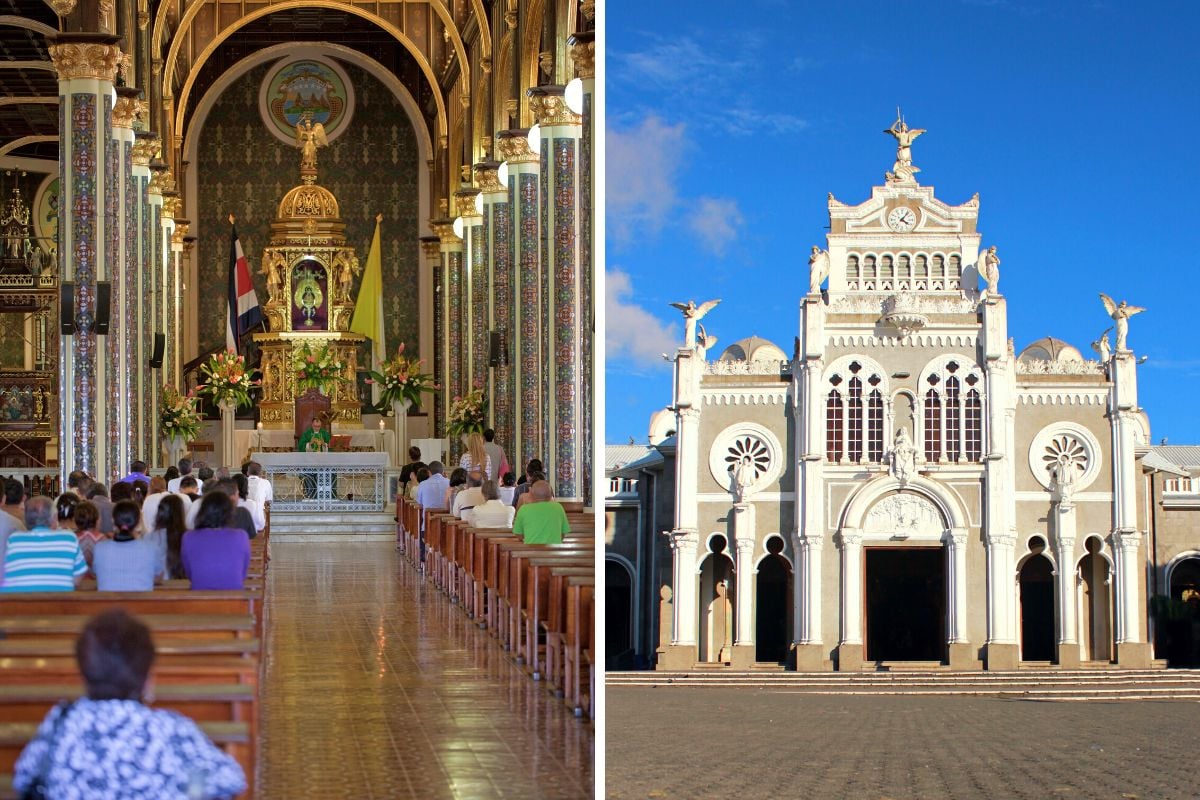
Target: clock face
pixel 902 219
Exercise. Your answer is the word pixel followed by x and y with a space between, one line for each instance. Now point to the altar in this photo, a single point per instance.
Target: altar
pixel 274 441
pixel 326 481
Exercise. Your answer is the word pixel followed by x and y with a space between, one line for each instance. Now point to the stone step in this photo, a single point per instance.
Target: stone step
pixel 333 527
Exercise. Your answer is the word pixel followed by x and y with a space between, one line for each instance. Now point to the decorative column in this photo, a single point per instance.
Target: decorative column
pixel 144 149
pixel 174 358
pixel 122 327
pixel 1063 513
pixel 453 373
pixel 524 200
pixel 86 66
pixel 743 539
pixel 682 652
pixel 431 248
pixel 476 295
pixel 153 303
pixel 806 590
pixel 1132 650
pixel 850 649
pixel 961 656
pixel 1002 653
pixel 497 228
pixel 171 209
pixel 583 53
pixel 808 371
pixel 562 286
pixel 1128 612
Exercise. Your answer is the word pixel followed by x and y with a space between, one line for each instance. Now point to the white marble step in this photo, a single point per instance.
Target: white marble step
pixel 333 527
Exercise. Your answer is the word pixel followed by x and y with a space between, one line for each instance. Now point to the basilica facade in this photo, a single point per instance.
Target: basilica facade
pixel 905 485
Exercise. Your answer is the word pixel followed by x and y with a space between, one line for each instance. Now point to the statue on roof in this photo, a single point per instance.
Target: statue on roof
pixel 903 170
pixel 818 269
pixel 692 314
pixel 988 266
pixel 1120 312
pixel 1102 347
pixel 704 342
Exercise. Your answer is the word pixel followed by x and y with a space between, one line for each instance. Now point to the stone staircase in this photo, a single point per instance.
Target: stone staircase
pixel 1025 684
pixel 359 526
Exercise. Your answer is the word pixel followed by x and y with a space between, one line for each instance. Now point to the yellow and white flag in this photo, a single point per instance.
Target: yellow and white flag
pixel 368 308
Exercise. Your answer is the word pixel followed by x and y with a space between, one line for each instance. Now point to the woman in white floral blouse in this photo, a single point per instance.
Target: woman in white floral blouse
pixel 109 744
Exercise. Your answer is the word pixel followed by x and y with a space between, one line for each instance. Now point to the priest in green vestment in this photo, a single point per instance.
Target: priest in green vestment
pixel 315 439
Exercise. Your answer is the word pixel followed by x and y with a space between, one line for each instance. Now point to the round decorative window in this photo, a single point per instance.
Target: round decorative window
pixel 748 451
pixel 1065 445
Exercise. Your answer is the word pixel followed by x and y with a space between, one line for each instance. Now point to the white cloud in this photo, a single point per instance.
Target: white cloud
pixel 630 331
pixel 642 167
pixel 716 220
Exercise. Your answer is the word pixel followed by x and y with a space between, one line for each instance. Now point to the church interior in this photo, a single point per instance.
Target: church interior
pixel 338 191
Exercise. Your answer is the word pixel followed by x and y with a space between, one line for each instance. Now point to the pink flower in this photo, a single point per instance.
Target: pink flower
pixel 401 350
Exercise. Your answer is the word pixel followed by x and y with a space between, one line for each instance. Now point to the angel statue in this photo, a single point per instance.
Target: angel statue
pixel 692 314
pixel 988 267
pixel 1120 312
pixel 818 269
pixel 1102 347
pixel 903 457
pixel 704 342
pixel 744 473
pixel 309 137
pixel 1063 477
pixel 903 169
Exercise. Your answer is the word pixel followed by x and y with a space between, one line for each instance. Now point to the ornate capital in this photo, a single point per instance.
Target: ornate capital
pixel 181 231
pixel 583 53
pixel 957 537
pixel 93 56
pixel 510 19
pixel 1000 539
pixel 849 538
pixel 487 177
pixel 444 229
pixel 588 7
pixel 62 8
pixel 549 107
pixel 464 201
pixel 126 108
pixel 144 149
pixel 744 544
pixel 513 147
pixel 1126 540
pixel 431 246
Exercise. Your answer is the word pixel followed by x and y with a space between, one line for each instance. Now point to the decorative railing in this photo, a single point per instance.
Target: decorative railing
pixel 320 482
pixel 36 480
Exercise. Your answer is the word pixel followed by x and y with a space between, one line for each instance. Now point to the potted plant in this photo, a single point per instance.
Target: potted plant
pixel 178 421
pixel 401 384
pixel 318 368
pixel 227 382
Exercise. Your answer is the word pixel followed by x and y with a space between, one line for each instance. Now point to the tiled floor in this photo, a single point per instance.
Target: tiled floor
pixel 377 687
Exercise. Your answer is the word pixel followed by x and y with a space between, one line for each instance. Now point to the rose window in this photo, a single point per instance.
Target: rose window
pixel 751 447
pixel 1067 451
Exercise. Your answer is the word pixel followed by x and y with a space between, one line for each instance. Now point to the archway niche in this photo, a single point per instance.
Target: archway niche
pixel 618 616
pixel 1096 617
pixel 773 604
pixel 718 588
pixel 1036 579
pixel 1179 629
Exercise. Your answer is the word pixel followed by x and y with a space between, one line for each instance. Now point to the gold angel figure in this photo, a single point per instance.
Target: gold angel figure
pixel 1120 312
pixel 309 136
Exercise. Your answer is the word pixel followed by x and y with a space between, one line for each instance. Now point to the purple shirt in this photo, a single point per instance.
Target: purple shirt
pixel 216 558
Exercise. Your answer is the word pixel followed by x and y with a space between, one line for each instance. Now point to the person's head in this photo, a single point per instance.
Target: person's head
pixel 115 652
pixel 187 484
pixel 225 485
pixel 475 449
pixel 126 516
pixel 489 490
pixel 246 468
pixel 120 491
pixel 536 476
pixel 86 516
pixel 422 474
pixel 316 424
pixel 243 485
pixel 222 473
pixel 140 490
pixel 254 469
pixel 436 468
pixel 64 508
pixel 14 492
pixel 158 485
pixel 96 490
pixel 489 435
pixel 138 468
pixel 39 513
pixel 540 491
pixel 458 477
pixel 169 515
pixel 204 473
pixel 185 466
pixel 171 474
pixel 534 465
pixel 76 480
pixel 414 454
pixel 215 510
pixel 474 480
pixel 508 479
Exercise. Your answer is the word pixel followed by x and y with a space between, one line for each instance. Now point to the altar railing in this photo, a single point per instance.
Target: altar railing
pixel 326 481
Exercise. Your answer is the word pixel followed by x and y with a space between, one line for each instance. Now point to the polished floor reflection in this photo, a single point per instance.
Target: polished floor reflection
pixel 377 687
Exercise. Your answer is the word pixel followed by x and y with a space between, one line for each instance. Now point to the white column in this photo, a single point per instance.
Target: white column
pixel 1064 518
pixel 743 527
pixel 851 544
pixel 806 588
pixel 957 588
pixel 1001 598
pixel 1125 547
pixel 683 572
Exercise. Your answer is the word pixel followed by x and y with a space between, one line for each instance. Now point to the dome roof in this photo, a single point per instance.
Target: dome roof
pixel 1050 349
pixel 753 348
pixel 662 425
pixel 308 200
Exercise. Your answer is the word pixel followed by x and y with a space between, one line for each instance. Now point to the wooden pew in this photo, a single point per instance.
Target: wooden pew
pixel 538 600
pixel 209 627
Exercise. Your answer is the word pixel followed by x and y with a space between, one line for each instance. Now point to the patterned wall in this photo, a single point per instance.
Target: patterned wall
pixel 372 167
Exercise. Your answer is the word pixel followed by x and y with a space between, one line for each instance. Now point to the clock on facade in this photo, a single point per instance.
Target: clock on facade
pixel 902 219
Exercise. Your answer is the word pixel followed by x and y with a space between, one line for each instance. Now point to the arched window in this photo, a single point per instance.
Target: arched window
pixel 953 410
pixel 875 423
pixel 933 422
pixel 922 270
pixel 974 422
pixel 869 267
pixel 939 267
pixel 854 418
pixel 953 416
pixel 955 267
pixel 854 411
pixel 903 267
pixel 833 426
pixel 885 267
pixel 852 266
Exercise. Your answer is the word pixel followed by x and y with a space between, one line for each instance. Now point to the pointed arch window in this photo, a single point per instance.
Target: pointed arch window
pixel 953 416
pixel 933 423
pixel 852 267
pixel 875 422
pixel 854 413
pixel 953 412
pixel 854 420
pixel 973 419
pixel 833 426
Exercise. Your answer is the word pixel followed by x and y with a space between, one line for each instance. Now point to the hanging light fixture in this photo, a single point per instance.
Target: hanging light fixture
pixel 458 227
pixel 502 173
pixel 574 95
pixel 535 139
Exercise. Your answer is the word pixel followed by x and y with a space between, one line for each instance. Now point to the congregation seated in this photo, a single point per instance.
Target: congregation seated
pixel 253 506
pixel 415 479
pixel 126 562
pixel 65 507
pixel 241 516
pixel 259 489
pixel 458 482
pixel 469 496
pixel 534 471
pixel 12 516
pixel 508 488
pixel 98 494
pixel 541 520
pixel 137 472
pixel 185 468
pixel 414 464
pixel 216 554
pixel 112 744
pixel 476 459
pixel 523 497
pixel 86 521
pixel 42 558
pixel 432 492
pixel 168 529
pixel 493 512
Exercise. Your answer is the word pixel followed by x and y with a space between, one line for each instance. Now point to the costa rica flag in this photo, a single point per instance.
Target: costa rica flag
pixel 244 310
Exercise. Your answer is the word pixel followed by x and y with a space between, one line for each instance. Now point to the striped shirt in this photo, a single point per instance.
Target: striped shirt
pixel 42 560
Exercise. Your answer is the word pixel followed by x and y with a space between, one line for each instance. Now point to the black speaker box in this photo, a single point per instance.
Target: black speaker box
pixel 66 308
pixel 497 352
pixel 160 344
pixel 103 307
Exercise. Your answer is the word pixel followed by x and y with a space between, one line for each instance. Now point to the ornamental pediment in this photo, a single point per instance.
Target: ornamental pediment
pixel 902 211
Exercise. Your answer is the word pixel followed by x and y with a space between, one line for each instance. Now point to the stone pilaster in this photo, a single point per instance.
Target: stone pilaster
pixel 1002 651
pixel 1064 536
pixel 960 650
pixel 806 590
pixel 497 215
pixel 681 653
pixel 86 65
pixel 744 535
pixel 524 200
pixel 850 647
pixel 564 317
pixel 808 535
pixel 453 370
pixel 1132 648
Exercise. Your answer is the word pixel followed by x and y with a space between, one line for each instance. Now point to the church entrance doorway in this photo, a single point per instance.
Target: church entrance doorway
pixel 905 604
pixel 1037 609
pixel 773 607
pixel 1178 630
pixel 618 628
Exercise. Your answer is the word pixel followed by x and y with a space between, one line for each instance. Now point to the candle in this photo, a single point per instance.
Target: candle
pixel 381 423
pixel 260 426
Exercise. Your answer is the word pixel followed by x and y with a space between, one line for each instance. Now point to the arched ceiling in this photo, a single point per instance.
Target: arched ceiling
pixel 26 73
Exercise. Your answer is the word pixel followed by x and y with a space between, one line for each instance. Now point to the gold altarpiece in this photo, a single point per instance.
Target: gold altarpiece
pixel 309 270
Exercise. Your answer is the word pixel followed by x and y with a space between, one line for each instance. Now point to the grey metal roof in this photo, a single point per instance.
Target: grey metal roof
pixel 618 455
pixel 1182 459
pixel 631 470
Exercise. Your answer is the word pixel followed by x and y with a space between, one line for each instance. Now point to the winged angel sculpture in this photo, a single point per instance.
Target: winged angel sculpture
pixel 692 314
pixel 1120 312
pixel 309 137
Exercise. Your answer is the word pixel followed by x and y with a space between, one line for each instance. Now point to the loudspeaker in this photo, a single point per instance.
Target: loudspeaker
pixel 497 352
pixel 103 303
pixel 66 308
pixel 160 344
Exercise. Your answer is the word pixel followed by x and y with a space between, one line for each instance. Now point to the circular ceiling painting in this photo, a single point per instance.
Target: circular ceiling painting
pixel 45 213
pixel 315 87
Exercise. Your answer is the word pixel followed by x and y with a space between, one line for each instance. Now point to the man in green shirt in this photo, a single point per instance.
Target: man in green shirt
pixel 540 520
pixel 315 439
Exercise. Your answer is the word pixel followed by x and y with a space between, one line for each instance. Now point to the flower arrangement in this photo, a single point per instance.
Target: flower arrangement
pixel 401 379
pixel 467 414
pixel 179 418
pixel 318 368
pixel 227 379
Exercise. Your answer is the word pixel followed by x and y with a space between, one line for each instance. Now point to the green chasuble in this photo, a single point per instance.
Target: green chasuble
pixel 309 435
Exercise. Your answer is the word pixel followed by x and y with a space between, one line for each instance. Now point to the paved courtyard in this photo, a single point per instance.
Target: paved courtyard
pixel 738 743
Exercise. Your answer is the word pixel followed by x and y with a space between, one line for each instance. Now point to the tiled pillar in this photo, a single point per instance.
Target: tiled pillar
pixel 162 284
pixel 151 286
pixel 453 371
pixel 121 342
pixel 432 251
pixel 476 290
pixel 86 66
pixel 497 216
pixel 173 365
pixel 562 287
pixel 144 148
pixel 583 53
pixel 524 199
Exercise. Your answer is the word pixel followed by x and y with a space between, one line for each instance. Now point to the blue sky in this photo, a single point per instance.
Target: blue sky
pixel 1077 123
